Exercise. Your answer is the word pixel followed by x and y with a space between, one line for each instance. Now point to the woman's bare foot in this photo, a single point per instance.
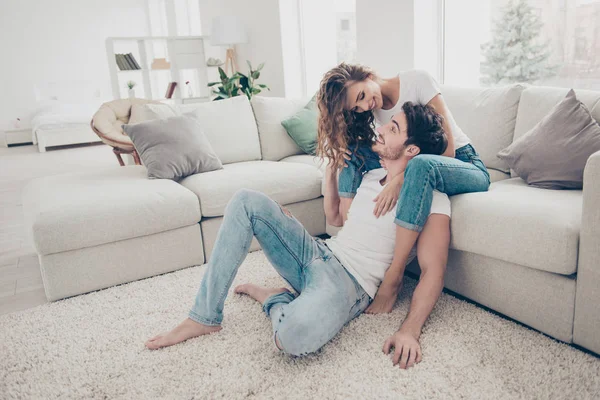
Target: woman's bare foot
pixel 182 332
pixel 258 293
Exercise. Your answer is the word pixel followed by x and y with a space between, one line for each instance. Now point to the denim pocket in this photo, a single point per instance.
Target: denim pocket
pixel 359 306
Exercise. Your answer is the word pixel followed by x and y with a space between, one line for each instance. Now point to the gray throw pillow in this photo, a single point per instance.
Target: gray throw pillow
pixel 553 154
pixel 173 148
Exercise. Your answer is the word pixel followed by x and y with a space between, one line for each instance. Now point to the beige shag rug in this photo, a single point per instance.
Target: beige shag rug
pixel 92 347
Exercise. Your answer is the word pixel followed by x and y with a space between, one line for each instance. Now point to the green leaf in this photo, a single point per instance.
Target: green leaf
pixel 263 86
pixel 241 75
pixel 244 83
pixel 213 84
pixel 249 65
pixel 260 67
pixel 255 75
pixel 255 91
pixel 222 74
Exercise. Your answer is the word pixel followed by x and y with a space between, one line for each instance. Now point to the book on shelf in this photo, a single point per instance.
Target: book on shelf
pixel 126 62
pixel 170 90
pixel 133 61
pixel 119 62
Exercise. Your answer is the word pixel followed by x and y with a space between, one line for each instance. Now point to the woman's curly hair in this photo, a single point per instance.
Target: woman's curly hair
pixel 338 128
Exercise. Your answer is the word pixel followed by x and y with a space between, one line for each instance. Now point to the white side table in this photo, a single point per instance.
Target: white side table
pixel 15 136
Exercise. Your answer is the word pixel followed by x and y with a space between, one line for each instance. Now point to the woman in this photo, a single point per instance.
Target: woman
pixel 351 98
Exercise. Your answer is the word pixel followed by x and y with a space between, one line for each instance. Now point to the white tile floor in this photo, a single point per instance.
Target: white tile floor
pixel 21 284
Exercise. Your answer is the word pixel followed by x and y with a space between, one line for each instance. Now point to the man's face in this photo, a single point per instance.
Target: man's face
pixel 391 138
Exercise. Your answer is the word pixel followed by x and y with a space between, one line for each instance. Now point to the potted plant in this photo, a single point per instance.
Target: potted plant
pixel 238 83
pixel 131 86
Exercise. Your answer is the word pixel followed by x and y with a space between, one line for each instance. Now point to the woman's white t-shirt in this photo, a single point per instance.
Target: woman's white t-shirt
pixel 420 87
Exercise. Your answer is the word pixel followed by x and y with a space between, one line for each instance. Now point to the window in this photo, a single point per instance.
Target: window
pixel 542 42
pixel 328 31
pixel 174 17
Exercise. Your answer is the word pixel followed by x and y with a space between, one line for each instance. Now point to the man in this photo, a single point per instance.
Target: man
pixel 335 279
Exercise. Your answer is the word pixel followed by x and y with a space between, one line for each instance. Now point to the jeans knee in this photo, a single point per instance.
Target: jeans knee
pixel 420 164
pixel 296 339
pixel 248 200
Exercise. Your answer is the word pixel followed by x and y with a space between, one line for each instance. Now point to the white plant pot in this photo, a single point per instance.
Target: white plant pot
pixel 131 93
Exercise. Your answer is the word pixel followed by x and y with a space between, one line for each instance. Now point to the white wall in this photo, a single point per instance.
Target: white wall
pixel 262 21
pixel 60 41
pixel 385 35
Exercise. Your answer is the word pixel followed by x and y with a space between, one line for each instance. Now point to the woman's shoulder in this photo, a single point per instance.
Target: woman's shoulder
pixel 415 74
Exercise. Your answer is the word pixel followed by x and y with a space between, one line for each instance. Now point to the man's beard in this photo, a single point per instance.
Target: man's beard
pixel 390 154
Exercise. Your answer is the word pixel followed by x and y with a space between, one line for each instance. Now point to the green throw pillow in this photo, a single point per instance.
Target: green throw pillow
pixel 302 127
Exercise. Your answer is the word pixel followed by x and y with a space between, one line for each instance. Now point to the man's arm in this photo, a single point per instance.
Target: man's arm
pixel 432 251
pixel 336 208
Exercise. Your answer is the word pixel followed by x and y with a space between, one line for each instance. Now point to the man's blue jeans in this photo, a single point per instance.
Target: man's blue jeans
pixel 329 297
pixel 425 173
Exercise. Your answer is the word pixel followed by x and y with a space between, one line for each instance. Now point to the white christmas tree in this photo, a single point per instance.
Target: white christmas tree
pixel 516 53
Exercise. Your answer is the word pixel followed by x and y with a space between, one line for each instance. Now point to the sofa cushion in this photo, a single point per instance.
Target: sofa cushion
pixel 307 159
pixel 230 128
pixel 302 127
pixel 275 143
pixel 487 116
pixel 514 222
pixel 173 147
pixel 85 209
pixel 553 154
pixel 496 175
pixel 283 182
pixel 537 101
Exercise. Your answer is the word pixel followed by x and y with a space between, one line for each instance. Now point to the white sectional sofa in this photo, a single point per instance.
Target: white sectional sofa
pixel 531 254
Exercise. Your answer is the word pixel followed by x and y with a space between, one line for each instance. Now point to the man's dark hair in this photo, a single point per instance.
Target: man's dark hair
pixel 424 128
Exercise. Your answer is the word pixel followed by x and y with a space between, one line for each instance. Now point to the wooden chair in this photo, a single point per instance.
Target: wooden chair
pixel 107 122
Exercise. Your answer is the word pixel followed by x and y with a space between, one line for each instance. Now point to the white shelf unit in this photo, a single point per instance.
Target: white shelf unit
pixel 187 56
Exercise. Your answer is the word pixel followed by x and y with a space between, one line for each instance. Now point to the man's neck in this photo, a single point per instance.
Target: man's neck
pixel 395 167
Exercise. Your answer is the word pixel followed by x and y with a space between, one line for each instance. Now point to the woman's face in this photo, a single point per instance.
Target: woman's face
pixel 363 96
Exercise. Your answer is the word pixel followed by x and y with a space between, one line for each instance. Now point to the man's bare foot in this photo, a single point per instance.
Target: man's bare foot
pixel 182 332
pixel 258 293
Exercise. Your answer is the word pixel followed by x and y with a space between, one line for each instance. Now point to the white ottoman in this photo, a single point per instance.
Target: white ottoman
pixel 93 230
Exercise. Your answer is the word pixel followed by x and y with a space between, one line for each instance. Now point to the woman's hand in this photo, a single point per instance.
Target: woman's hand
pixel 347 154
pixel 382 162
pixel 387 199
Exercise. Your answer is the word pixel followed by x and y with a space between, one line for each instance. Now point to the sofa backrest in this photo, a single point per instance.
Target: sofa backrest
pixel 275 143
pixel 230 128
pixel 487 116
pixel 537 101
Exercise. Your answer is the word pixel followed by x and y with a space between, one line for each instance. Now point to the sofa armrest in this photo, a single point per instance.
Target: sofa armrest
pixel 587 317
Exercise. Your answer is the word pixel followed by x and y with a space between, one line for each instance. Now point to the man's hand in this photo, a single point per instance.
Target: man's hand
pixel 407 350
pixel 384 300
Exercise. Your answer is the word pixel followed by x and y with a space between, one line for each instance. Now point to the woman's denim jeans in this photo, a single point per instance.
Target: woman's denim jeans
pixel 329 297
pixel 425 173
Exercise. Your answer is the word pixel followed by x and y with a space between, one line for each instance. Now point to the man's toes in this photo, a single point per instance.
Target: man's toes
pixel 239 289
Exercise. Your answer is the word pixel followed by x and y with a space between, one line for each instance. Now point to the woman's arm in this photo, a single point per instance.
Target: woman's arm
pixel 336 208
pixel 439 105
